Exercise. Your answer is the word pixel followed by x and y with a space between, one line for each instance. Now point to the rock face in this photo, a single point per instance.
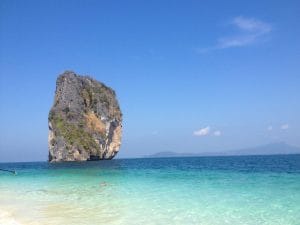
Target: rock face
pixel 85 121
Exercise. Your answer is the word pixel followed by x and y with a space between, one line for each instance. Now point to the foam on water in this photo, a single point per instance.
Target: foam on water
pixel 203 190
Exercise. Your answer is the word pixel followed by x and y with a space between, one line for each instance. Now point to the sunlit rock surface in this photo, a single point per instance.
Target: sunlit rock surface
pixel 85 121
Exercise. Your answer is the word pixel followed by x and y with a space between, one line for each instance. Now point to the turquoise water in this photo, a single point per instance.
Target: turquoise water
pixel 198 190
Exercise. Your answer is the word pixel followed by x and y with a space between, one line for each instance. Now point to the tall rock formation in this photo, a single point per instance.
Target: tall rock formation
pixel 85 121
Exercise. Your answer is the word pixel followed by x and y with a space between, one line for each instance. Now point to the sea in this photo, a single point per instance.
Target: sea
pixel 193 190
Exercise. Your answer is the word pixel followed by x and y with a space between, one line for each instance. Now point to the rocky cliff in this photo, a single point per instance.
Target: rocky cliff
pixel 85 121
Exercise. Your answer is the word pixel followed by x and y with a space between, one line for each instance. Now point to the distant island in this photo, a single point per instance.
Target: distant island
pixel 280 148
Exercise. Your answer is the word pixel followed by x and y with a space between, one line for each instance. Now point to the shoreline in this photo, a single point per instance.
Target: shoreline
pixel 237 191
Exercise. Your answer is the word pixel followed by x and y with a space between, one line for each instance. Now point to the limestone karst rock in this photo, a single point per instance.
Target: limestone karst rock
pixel 85 121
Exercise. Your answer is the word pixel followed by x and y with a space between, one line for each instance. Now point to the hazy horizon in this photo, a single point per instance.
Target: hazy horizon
pixel 190 76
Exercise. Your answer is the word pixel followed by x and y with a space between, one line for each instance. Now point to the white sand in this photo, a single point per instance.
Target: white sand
pixel 6 218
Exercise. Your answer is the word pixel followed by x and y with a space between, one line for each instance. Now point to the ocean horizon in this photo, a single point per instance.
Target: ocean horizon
pixel 149 112
pixel 182 190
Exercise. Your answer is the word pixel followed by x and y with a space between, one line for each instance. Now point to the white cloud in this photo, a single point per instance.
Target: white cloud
pixel 249 31
pixel 251 25
pixel 217 133
pixel 237 41
pixel 270 128
pixel 202 132
pixel 284 127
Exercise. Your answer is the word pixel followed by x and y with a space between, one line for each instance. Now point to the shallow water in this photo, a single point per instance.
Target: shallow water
pixel 197 190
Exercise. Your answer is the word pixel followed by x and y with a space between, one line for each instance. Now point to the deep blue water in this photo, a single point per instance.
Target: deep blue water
pixel 246 164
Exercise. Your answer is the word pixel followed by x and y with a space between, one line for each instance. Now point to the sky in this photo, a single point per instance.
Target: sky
pixel 190 76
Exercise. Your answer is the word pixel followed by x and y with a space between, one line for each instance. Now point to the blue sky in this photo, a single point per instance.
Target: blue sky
pixel 191 76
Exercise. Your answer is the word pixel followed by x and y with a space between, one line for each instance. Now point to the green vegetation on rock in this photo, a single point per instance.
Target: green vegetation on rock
pixel 74 134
